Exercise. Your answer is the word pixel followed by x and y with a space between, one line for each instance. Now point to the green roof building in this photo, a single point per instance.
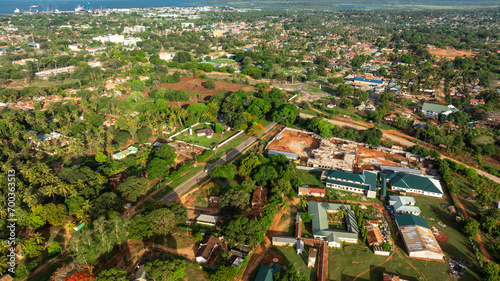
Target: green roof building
pixel 365 183
pixel 319 211
pixel 414 184
pixel 124 153
pixel 266 273
pixel 433 110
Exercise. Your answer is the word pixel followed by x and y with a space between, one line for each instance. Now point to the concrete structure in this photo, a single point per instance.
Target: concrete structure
pixel 305 190
pixel 284 241
pixel 118 39
pixel 365 183
pixel 433 110
pixel 404 205
pixel 94 63
pixel 289 155
pixel 311 260
pixel 75 47
pixel 95 49
pixel 52 72
pixel 414 184
pixel 187 24
pixel 401 170
pixel 124 153
pixel 418 238
pixel 141 275
pixel 334 156
pixel 319 211
pixel 134 29
pixel 34 45
pixel 373 235
pixel 207 246
pixel 207 219
pixel 208 132
pixel 166 56
pixel 379 251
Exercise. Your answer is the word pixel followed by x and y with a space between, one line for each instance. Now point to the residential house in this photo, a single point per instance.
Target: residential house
pixel 311 259
pixel 124 153
pixel 95 49
pixel 404 205
pixel 94 63
pixel 208 132
pixel 476 101
pixel 418 238
pixel 34 45
pixel 305 190
pixel 166 56
pixel 259 197
pixel 75 47
pixel 207 246
pixel 207 219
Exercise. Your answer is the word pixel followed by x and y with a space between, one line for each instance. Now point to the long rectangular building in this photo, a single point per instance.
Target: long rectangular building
pixel 418 239
pixel 365 183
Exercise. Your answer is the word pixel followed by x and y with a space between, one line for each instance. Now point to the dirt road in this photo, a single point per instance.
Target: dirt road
pixel 485 253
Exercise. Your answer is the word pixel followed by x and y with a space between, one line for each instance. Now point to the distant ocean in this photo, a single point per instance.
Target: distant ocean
pixel 8 6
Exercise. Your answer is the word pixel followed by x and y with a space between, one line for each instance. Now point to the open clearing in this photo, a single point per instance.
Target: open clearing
pixel 295 142
pixel 367 157
pixel 203 140
pixel 450 54
pixel 192 84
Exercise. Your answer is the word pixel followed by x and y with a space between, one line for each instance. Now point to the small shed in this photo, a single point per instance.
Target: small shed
pixel 207 219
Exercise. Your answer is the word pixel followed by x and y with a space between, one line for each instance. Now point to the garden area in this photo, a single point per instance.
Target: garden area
pixel 217 138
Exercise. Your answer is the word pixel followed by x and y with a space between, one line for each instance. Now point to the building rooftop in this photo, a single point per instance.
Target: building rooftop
pixel 288 155
pixel 438 108
pixel 403 204
pixel 266 273
pixel 409 220
pixel 319 210
pixel 207 218
pixel 407 181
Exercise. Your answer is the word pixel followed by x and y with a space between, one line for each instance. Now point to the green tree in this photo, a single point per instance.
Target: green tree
pixel 31 248
pixel 54 249
pixel 471 227
pixel 237 198
pixel 133 187
pixel 112 274
pixel 162 221
pixel 264 174
pixel 55 214
pixel 291 274
pixel 306 217
pixel 100 157
pixel 143 134
pixel 209 84
pixel 137 85
pixel 158 168
pixel 224 273
pixel 227 171
pixel 165 270
pixel 247 165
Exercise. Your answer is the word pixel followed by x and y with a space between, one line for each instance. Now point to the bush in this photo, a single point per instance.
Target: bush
pixel 209 84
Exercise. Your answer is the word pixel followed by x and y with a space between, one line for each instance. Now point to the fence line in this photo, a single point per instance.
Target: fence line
pixel 228 140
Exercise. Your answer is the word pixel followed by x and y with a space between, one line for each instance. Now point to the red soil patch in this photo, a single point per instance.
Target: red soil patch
pixel 273 258
pixel 450 54
pixel 295 142
pixel 440 236
pixel 192 84
pixel 372 156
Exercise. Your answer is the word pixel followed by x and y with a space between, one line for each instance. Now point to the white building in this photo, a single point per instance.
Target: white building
pixel 187 24
pixel 75 47
pixel 134 29
pixel 166 56
pixel 94 63
pixel 118 39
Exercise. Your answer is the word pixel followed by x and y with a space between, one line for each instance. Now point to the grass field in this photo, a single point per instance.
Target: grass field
pixel 203 140
pixel 458 246
pixel 310 178
pixel 300 261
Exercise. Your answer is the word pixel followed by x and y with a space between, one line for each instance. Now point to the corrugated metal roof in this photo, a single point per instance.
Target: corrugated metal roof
pixel 416 182
pixel 288 155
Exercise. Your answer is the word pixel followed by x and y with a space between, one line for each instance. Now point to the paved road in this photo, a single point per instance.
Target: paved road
pixel 192 181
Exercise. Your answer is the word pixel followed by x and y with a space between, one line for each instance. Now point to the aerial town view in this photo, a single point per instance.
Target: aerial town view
pixel 219 140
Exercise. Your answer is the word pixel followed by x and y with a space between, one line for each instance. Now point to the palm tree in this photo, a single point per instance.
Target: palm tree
pixel 82 216
pixel 303 203
pixel 38 237
pixel 341 212
pixel 284 205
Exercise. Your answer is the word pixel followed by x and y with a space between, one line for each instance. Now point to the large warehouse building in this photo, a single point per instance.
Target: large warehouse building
pixel 418 239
